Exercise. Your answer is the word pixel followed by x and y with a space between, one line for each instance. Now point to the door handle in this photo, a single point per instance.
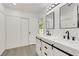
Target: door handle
pixel 29 32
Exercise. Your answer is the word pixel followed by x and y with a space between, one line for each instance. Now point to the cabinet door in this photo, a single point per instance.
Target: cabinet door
pixel 38 47
pixel 46 49
pixel 58 53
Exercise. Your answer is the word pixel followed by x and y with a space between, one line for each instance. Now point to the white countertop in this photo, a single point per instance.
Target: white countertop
pixel 72 45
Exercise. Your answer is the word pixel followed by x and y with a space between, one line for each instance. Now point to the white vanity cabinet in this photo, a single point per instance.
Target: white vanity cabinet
pixel 48 50
pixel 44 48
pixel 39 47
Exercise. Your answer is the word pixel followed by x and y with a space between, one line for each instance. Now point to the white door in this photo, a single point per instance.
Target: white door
pixel 24 31
pixel 33 29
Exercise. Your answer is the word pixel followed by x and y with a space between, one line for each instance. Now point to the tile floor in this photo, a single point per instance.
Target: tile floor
pixel 21 51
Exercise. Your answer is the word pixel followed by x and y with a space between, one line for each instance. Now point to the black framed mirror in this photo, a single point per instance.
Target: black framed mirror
pixel 69 16
pixel 50 24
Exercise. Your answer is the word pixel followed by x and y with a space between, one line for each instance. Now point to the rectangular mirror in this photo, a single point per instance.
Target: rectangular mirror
pixel 69 16
pixel 50 21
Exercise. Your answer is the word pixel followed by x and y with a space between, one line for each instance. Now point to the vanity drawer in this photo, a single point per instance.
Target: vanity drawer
pixel 46 49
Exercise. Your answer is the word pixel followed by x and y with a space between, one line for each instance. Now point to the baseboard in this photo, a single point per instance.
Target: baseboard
pixel 20 46
pixel 2 52
pixel 16 46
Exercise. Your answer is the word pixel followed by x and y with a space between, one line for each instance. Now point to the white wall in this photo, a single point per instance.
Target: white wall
pixel 2 29
pixel 13 31
pixel 20 13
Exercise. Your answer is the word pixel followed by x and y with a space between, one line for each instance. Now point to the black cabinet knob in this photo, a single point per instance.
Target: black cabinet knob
pixel 45 47
pixel 45 53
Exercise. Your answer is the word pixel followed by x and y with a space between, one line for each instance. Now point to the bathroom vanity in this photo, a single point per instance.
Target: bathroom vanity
pixel 56 46
pixel 63 22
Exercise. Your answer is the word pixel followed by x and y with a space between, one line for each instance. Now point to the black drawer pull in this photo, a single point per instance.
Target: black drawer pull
pixel 45 47
pixel 45 53
pixel 52 46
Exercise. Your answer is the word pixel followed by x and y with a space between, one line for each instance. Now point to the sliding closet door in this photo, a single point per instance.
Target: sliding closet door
pixel 24 31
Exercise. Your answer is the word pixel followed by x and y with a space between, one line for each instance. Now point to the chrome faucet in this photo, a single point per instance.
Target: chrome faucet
pixel 67 32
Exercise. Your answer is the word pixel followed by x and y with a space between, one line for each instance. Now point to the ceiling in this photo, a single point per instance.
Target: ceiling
pixel 27 7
